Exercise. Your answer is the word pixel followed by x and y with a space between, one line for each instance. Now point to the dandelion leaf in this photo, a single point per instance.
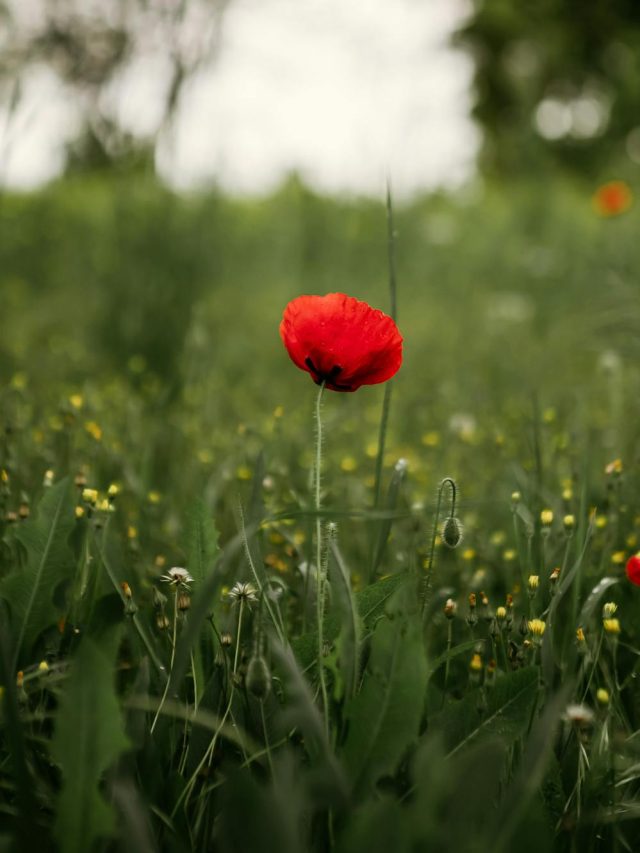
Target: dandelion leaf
pixel 29 590
pixel 505 713
pixel 88 738
pixel 385 715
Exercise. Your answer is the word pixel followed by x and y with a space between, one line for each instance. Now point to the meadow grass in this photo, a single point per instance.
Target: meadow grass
pixel 477 696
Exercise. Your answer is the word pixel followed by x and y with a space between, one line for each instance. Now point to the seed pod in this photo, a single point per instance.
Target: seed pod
pixel 258 678
pixel 184 601
pixel 452 532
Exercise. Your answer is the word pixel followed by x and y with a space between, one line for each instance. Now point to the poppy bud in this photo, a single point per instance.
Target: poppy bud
pixel 258 678
pixel 452 532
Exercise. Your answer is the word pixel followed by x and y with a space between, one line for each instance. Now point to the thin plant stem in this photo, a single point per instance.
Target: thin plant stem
pixel 173 654
pixel 207 757
pixel 386 401
pixel 319 555
pixel 448 661
pixel 448 481
pixel 237 652
pixel 266 740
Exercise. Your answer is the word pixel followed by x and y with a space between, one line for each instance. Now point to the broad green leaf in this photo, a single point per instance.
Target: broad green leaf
pixel 30 590
pixel 88 738
pixel 202 542
pixel 378 826
pixel 509 705
pixel 384 717
pixel 370 603
pixel 269 818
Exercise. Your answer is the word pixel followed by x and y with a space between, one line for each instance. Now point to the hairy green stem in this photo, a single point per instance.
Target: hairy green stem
pixel 319 556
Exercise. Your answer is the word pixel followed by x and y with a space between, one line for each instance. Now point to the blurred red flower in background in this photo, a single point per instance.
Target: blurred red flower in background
pixel 633 569
pixel 341 341
pixel 613 198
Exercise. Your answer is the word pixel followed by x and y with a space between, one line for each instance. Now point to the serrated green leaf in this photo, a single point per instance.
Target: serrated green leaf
pixel 370 603
pixel 202 542
pixel 509 705
pixel 30 590
pixel 385 716
pixel 88 738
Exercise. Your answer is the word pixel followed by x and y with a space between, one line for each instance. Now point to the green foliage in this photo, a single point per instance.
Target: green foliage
pixel 30 589
pixel 446 727
pixel 384 717
pixel 504 711
pixel 88 739
pixel 202 542
pixel 573 53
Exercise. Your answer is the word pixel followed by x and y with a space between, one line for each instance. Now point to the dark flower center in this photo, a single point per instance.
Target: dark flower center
pixel 328 378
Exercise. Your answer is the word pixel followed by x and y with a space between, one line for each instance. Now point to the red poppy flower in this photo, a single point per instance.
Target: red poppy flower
pixel 612 199
pixel 341 341
pixel 633 569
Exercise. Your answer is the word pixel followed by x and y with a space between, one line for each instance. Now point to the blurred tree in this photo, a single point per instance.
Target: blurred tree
pixel 556 82
pixel 92 47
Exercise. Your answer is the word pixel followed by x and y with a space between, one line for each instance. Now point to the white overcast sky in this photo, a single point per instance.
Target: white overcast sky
pixel 346 92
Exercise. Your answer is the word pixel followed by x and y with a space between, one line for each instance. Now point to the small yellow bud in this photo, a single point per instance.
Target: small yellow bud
pixel 476 663
pixel 94 430
pixel 501 613
pixel 614 467
pixel 43 666
pixel 609 609
pixel 546 517
pixel 533 582
pixel 618 558
pixel 450 608
pixel 90 496
pixel 569 522
pixel 580 636
pixel 79 511
pixel 611 626
pixel 536 627
pixel 20 679
pixel 48 478
pixel 516 497
pixel 76 401
pixel 603 697
pixel 114 490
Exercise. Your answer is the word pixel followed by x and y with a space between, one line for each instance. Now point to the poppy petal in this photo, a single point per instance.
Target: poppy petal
pixel 341 341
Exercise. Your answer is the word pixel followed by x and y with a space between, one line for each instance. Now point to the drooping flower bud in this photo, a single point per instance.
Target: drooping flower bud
pixel 258 678
pixel 452 532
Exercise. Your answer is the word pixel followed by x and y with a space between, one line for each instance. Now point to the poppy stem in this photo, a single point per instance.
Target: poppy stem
pixel 426 588
pixel 319 553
